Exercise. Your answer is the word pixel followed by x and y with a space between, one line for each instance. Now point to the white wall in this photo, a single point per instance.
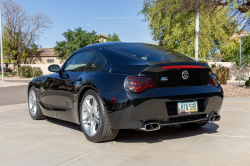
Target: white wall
pixel 44 67
pixel 234 70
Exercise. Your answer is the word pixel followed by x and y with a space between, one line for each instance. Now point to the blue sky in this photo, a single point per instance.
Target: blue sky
pixel 102 16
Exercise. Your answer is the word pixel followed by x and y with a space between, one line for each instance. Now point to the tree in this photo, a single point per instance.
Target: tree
pixel 74 40
pixel 231 52
pixel 21 30
pixel 113 37
pixel 10 48
pixel 177 31
pixel 239 9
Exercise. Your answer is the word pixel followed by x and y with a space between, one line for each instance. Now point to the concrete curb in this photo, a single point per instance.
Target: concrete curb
pixel 9 84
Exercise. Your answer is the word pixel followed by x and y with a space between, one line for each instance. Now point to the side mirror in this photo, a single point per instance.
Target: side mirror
pixel 54 68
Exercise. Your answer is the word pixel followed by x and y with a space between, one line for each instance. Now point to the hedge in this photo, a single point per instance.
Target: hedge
pixel 25 72
pixel 222 74
pixel 37 71
pixel 28 72
pixel 247 83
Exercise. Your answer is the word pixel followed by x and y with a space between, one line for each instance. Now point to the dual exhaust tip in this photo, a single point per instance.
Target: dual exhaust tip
pixel 214 118
pixel 155 125
pixel 151 126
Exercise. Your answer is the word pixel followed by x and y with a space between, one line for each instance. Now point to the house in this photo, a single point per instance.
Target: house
pixel 103 38
pixel 45 56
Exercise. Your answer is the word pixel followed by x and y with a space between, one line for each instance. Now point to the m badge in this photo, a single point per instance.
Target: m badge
pixel 164 78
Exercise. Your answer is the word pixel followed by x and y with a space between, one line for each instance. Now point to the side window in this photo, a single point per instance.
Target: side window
pixel 96 63
pixel 78 62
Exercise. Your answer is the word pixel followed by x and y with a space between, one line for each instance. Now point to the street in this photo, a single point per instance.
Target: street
pixel 13 95
pixel 55 142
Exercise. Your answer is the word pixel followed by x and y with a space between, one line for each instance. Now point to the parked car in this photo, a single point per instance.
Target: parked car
pixel 111 86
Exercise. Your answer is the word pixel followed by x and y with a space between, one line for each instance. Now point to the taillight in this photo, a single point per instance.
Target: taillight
pixel 139 84
pixel 212 79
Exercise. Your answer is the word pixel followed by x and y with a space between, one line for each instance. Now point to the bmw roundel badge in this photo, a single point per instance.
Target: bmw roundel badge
pixel 185 74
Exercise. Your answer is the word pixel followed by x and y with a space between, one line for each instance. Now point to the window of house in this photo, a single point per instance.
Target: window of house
pixel 50 60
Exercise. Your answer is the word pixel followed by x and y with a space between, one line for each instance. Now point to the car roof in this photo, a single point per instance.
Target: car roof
pixel 98 46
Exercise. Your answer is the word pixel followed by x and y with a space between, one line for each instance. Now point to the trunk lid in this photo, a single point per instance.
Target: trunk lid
pixel 178 74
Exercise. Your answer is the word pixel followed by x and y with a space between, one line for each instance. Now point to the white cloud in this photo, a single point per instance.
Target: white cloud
pixel 108 18
pixel 88 24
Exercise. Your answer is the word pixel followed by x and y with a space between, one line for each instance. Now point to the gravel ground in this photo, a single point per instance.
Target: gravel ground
pixel 235 91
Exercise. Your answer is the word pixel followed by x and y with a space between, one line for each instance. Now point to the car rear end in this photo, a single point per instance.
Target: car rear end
pixel 161 94
pixel 169 92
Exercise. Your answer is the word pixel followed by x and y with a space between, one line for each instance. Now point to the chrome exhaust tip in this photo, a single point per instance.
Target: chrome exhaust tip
pixel 151 126
pixel 213 118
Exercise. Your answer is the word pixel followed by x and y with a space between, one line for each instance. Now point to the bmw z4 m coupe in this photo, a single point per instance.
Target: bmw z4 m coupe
pixel 110 86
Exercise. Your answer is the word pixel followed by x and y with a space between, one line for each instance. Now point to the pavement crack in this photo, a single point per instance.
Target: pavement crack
pixel 89 153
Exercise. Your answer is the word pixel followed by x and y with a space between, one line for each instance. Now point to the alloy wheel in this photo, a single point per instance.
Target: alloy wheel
pixel 32 103
pixel 90 115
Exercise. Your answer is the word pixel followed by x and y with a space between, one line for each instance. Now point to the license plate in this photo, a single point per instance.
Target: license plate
pixel 187 107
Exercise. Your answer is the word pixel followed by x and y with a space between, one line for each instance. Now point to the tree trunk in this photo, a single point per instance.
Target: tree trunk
pixel 16 67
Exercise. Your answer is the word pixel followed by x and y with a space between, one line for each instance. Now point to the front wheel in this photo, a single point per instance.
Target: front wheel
pixel 34 109
pixel 94 120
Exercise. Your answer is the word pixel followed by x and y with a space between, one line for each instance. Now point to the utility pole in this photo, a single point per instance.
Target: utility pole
pixel 240 60
pixel 197 37
pixel 1 42
pixel 240 37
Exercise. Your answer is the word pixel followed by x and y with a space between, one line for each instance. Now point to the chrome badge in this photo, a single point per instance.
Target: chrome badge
pixel 185 74
pixel 164 78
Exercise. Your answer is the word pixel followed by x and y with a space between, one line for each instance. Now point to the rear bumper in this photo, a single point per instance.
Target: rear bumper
pixel 131 110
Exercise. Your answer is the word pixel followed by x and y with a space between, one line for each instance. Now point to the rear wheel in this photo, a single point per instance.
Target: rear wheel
pixel 94 120
pixel 193 125
pixel 34 109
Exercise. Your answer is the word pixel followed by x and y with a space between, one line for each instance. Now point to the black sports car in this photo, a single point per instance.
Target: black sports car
pixel 110 86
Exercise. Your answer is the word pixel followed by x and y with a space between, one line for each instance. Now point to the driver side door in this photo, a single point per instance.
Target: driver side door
pixel 60 86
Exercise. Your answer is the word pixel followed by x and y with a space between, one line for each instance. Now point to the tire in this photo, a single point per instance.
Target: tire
pixel 34 109
pixel 193 125
pixel 94 119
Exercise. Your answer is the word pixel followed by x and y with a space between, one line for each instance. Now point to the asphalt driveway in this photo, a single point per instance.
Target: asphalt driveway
pixel 24 141
pixel 13 95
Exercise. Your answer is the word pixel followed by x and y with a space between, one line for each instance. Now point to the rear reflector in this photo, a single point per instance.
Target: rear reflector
pixel 113 100
pixel 139 84
pixel 183 67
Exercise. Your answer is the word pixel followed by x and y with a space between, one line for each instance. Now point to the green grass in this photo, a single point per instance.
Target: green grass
pixel 5 74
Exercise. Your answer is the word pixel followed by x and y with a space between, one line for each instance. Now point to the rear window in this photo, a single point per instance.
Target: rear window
pixel 149 53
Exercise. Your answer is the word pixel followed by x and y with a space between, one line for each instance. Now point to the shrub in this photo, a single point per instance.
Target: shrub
pixel 216 65
pixel 247 83
pixel 25 72
pixel 222 74
pixel 14 71
pixel 9 70
pixel 37 71
pixel 213 66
